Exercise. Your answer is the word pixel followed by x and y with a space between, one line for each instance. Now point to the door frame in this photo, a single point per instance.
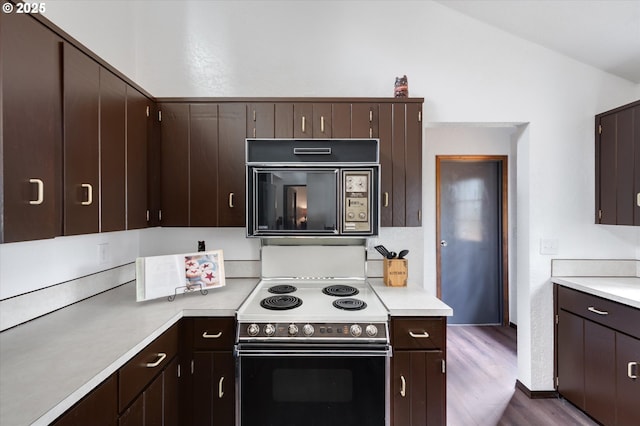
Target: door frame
pixel 504 237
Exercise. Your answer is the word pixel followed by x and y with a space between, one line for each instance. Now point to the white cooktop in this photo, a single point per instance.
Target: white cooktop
pixel 316 306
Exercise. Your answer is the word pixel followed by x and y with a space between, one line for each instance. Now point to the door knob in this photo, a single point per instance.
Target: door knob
pixel 443 243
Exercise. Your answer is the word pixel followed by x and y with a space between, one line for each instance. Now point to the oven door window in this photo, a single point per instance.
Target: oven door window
pixel 312 391
pixel 296 201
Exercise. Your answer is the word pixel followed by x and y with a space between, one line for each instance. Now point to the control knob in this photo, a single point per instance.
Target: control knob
pixel 351 215
pixel 293 329
pixel 371 330
pixel 308 330
pixel 269 329
pixel 362 215
pixel 355 330
pixel 253 330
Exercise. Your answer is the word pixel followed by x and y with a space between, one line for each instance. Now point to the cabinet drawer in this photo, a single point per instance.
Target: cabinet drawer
pixel 214 333
pixel 418 333
pixel 141 369
pixel 606 312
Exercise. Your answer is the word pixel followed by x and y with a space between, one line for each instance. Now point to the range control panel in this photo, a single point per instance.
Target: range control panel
pixel 315 331
pixel 357 200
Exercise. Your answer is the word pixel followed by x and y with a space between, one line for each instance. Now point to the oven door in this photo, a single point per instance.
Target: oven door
pixel 292 201
pixel 313 388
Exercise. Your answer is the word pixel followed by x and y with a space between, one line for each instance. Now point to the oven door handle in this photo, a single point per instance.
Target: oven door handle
pixel 312 352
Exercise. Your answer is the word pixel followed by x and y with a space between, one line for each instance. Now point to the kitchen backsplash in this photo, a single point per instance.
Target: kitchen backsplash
pixel 595 268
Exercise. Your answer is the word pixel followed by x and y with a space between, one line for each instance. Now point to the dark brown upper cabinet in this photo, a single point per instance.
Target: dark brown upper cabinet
pixel 618 166
pixel 31 142
pixel 203 151
pixel 138 130
pixel 232 124
pixel 81 150
pixel 174 146
pixel 113 133
pixel 261 120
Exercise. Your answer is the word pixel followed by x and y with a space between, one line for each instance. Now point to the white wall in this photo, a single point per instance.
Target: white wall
pixel 468 72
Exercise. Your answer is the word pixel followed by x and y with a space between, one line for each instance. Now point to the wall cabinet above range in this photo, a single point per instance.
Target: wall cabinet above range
pixel 202 179
pixel 618 166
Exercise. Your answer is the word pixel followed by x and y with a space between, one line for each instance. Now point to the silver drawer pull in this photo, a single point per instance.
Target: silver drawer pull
pixel 40 197
pixel 220 391
pixel 161 357
pixel 206 335
pixel 403 387
pixel 422 335
pixel 630 366
pixel 312 151
pixel 596 311
pixel 231 194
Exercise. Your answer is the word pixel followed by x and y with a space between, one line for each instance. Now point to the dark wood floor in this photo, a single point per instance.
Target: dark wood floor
pixel 481 377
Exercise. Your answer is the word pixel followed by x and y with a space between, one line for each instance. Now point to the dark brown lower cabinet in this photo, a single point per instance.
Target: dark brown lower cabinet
pixel 418 384
pixel 213 388
pixel 418 371
pixel 598 356
pixel 99 408
pixel 158 403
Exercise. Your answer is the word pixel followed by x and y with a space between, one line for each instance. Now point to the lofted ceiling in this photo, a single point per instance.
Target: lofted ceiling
pixel 602 33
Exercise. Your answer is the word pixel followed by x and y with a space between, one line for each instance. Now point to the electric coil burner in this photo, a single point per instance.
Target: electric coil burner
pixel 282 289
pixel 340 290
pixel 280 302
pixel 349 304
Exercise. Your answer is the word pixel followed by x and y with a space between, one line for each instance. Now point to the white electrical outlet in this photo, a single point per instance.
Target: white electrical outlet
pixel 103 253
pixel 549 246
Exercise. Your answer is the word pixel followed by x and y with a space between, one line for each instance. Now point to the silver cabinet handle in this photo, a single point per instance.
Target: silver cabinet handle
pixel 443 243
pixel 89 194
pixel 630 366
pixel 40 197
pixel 304 122
pixel 161 357
pixel 220 391
pixel 231 200
pixel 206 335
pixel 403 387
pixel 322 124
pixel 638 199
pixel 596 311
pixel 386 199
pixel 423 335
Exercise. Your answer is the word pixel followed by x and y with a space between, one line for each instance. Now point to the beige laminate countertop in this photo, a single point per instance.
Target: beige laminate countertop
pixel 50 363
pixel 625 290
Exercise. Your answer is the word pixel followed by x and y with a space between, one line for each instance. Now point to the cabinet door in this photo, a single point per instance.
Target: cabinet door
pixel 113 101
pixel 174 193
pixel 138 122
pixel 170 395
pixel 99 408
pixel 213 388
pixel 340 121
pixel 261 120
pixel 364 120
pixel 231 173
pixel 636 162
pixel 570 358
pixel 628 380
pixel 81 165
pixel 419 388
pixel 31 142
pixel 398 152
pixel 284 120
pixel 599 372
pixel 385 133
pixel 203 151
pixel 323 121
pixel 413 165
pixel 302 120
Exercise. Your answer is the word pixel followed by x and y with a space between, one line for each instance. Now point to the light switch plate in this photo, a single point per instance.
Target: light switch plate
pixel 549 246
